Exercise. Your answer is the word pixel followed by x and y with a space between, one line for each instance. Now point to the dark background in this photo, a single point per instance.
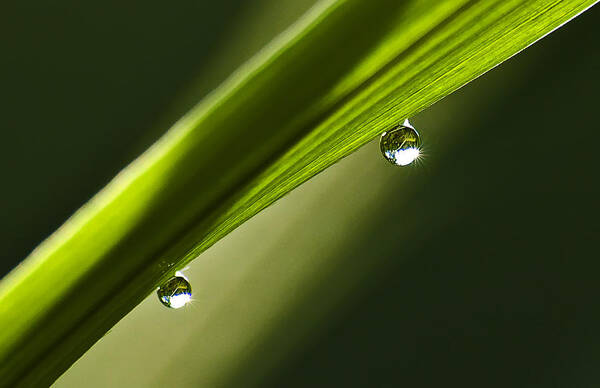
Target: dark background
pixel 486 278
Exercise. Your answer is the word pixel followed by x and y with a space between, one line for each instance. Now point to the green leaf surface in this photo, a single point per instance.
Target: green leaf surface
pixel 345 72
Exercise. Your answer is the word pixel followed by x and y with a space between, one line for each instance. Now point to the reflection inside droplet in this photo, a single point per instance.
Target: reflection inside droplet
pixel 401 145
pixel 175 292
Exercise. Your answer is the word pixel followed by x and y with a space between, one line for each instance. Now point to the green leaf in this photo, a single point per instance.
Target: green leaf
pixel 345 72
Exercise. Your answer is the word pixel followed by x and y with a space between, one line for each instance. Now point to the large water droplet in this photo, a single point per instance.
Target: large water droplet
pixel 175 292
pixel 401 145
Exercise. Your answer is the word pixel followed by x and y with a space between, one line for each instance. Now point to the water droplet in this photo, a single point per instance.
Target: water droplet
pixel 175 292
pixel 401 145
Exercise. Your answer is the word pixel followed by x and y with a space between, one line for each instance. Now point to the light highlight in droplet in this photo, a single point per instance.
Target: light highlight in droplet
pixel 401 145
pixel 175 292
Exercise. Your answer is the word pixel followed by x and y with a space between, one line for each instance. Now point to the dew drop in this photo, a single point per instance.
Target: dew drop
pixel 401 145
pixel 175 292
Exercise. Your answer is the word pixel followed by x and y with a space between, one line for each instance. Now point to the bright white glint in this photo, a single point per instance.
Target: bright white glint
pixel 407 123
pixel 180 300
pixel 406 156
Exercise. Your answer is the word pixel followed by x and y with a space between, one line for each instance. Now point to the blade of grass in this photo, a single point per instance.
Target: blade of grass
pixel 344 73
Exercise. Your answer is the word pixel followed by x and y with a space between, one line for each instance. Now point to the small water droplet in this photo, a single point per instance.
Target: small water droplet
pixel 401 145
pixel 175 292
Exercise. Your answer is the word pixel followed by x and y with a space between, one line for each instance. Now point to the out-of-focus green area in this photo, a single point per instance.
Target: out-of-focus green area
pixel 476 267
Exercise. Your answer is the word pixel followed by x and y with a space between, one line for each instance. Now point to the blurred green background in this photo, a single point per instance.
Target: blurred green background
pixel 476 267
